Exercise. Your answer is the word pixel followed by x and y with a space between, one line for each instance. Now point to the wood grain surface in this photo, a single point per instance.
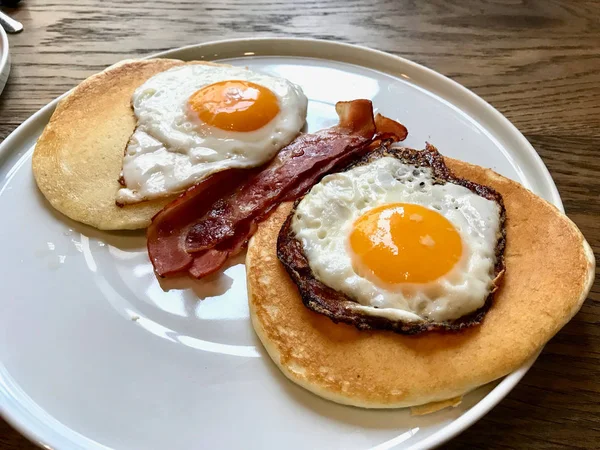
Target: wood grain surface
pixel 537 61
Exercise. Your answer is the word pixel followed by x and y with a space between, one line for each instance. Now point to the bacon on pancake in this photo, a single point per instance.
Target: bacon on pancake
pixel 213 220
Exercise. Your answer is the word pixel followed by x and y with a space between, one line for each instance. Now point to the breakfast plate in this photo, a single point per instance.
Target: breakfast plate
pixel 97 353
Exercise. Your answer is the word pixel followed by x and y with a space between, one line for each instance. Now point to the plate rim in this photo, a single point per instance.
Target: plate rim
pixel 39 431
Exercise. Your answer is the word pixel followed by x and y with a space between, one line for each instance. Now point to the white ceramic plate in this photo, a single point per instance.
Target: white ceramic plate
pixel 95 354
pixel 4 59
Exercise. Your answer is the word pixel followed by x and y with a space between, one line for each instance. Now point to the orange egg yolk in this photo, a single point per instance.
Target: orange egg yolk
pixel 404 243
pixel 235 105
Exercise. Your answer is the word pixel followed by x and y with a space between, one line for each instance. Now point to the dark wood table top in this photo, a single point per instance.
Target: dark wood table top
pixel 536 61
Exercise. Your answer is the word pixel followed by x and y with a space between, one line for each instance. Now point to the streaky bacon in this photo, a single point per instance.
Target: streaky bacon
pixel 356 127
pixel 212 260
pixel 388 128
pixel 388 132
pixel 206 225
pixel 169 226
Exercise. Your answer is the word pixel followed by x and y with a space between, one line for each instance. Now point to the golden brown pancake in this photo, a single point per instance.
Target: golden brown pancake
pixel 78 159
pixel 549 271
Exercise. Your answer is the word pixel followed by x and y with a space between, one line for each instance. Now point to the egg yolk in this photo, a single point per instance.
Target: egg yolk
pixel 235 105
pixel 404 243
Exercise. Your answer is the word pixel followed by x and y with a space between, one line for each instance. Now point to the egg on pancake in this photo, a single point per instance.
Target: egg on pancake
pixel 401 241
pixel 547 265
pixel 79 159
pixel 195 120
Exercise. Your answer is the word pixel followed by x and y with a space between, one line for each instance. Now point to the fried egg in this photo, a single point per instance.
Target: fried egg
pixel 400 243
pixel 195 120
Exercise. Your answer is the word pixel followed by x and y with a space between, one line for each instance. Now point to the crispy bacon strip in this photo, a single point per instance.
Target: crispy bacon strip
pixel 207 224
pixel 169 226
pixel 356 127
pixel 388 128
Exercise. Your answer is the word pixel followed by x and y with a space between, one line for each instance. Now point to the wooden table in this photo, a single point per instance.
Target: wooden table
pixel 537 61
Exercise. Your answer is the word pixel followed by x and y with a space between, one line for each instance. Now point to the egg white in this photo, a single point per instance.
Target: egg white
pixel 324 218
pixel 171 148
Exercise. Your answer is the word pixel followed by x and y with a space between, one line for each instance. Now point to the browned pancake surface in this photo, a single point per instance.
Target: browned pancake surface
pixel 549 270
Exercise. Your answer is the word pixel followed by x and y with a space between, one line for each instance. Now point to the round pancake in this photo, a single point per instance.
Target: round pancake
pixel 78 158
pixel 549 271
